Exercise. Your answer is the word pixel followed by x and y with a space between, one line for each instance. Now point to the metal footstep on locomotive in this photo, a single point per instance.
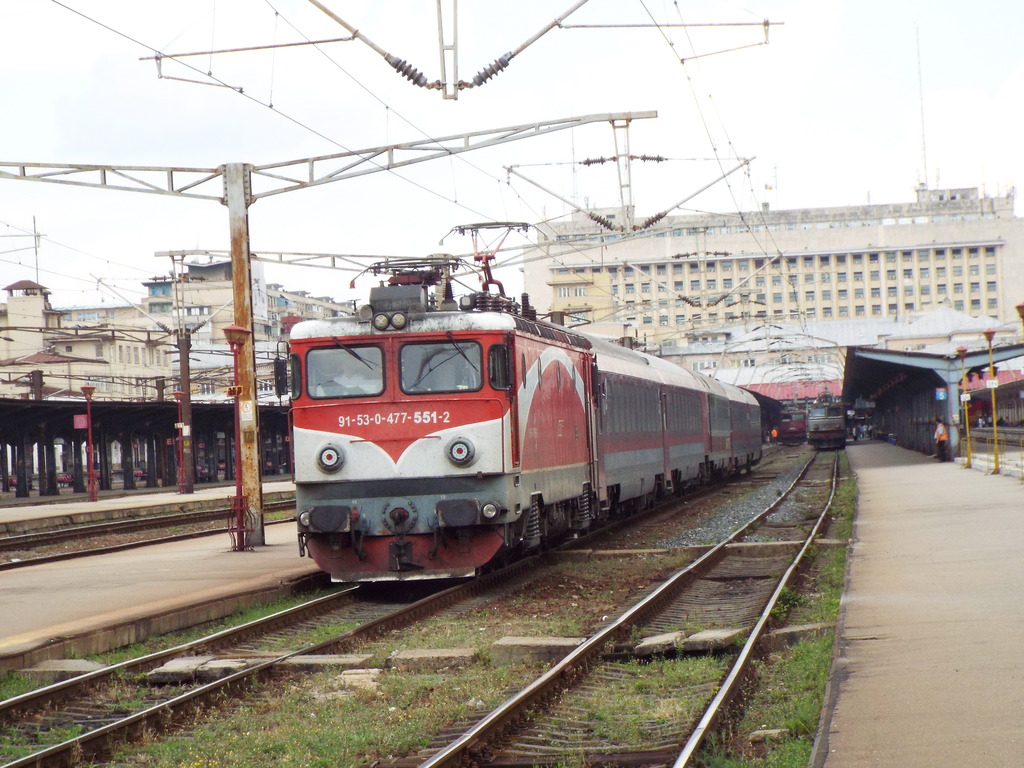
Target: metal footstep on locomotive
pixel 552 719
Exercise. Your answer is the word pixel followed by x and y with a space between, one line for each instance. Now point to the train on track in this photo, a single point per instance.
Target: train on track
pixel 826 423
pixel 433 437
pixel 792 427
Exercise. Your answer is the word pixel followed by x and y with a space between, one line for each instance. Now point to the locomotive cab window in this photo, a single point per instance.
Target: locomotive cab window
pixel 445 366
pixel 499 366
pixel 344 371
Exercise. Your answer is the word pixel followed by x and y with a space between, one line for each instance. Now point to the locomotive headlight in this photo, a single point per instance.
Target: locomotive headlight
pixel 399 320
pixel 460 451
pixel 304 518
pixel 381 321
pixel 489 510
pixel 330 458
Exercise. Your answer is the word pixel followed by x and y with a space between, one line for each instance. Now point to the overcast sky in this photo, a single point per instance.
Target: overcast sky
pixel 830 108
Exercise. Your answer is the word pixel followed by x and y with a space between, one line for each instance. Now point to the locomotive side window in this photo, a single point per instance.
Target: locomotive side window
pixel 296 377
pixel 446 366
pixel 499 366
pixel 344 371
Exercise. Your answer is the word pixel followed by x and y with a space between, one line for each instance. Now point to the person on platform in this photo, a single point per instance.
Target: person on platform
pixel 941 440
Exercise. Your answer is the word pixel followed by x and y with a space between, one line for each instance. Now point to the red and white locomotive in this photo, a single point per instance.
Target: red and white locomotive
pixel 432 438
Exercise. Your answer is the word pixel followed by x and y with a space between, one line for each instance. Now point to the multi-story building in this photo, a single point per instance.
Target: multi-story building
pixel 130 352
pixel 688 276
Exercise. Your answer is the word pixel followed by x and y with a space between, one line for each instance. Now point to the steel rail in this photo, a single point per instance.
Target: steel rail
pixel 87 745
pixel 48 695
pixel 109 548
pixel 561 674
pixel 141 523
pixel 729 687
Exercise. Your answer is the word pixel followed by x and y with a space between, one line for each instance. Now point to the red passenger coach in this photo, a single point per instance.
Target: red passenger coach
pixel 432 438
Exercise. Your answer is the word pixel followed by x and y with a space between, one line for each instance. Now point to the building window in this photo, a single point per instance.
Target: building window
pixel 893 309
pixel 876 293
pixel 859 310
pixel 712 284
pixel 777 298
pixel 876 309
pixel 842 294
pixel 858 293
pixel 975 287
pixel 841 277
pixel 826 295
pixel 844 311
pixel 908 290
pixel 992 303
pixel 958 304
pixel 727 283
pixel 695 285
pixel 858 277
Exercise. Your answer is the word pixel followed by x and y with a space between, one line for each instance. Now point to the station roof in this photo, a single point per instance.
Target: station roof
pixel 872 374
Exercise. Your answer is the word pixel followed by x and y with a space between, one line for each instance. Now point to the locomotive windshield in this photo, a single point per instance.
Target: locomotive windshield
pixel 344 372
pixel 448 366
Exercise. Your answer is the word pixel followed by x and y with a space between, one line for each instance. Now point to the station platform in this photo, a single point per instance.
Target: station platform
pixel 91 604
pixel 928 670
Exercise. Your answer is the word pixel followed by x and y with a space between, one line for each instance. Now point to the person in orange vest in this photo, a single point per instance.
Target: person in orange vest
pixel 775 436
pixel 941 440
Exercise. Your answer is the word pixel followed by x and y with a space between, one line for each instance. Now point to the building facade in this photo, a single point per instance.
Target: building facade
pixel 680 281
pixel 132 352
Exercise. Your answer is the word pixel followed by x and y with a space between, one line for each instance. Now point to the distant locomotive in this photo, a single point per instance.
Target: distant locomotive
pixel 432 438
pixel 792 427
pixel 826 423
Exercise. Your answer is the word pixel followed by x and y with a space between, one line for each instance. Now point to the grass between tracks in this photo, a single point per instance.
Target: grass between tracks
pixel 787 687
pixel 14 684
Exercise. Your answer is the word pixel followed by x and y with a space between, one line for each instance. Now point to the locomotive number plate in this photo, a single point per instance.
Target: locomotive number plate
pixel 394 418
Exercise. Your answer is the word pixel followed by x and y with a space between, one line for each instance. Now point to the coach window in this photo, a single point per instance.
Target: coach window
pixel 446 366
pixel 499 366
pixel 344 371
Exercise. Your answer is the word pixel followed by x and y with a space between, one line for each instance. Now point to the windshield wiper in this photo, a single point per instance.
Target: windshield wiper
pixel 451 338
pixel 352 352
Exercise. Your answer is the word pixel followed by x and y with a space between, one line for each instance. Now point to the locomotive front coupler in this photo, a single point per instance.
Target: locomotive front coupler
pixel 399 550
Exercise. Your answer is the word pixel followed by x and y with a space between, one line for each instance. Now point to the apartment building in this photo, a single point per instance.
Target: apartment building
pixel 129 352
pixel 685 277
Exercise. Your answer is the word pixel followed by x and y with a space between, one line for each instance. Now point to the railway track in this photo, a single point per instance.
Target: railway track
pixel 22 549
pixel 75 706
pixel 552 720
